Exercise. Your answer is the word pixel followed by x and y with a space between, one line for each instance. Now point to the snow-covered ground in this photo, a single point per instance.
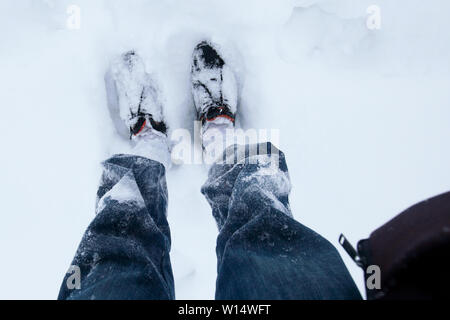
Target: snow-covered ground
pixel 363 117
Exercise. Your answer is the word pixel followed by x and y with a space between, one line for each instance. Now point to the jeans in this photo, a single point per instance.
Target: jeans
pixel 262 252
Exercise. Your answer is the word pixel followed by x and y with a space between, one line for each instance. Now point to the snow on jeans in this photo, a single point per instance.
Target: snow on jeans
pixel 262 252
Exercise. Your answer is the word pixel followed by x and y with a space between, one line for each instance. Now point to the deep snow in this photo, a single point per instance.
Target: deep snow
pixel 363 117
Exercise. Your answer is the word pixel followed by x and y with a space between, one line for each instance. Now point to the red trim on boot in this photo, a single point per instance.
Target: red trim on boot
pixel 142 127
pixel 221 116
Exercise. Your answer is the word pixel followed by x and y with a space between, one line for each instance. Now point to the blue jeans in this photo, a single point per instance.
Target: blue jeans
pixel 262 252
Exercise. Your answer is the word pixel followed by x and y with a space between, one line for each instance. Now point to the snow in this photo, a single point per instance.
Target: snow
pixel 363 117
pixel 126 190
pixel 270 173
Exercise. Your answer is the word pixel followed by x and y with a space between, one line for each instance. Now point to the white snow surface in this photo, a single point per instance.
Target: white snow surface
pixel 363 117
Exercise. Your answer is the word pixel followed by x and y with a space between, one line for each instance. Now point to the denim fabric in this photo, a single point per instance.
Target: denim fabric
pixel 124 253
pixel 263 253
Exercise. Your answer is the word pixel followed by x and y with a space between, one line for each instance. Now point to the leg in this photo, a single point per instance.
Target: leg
pixel 263 253
pixel 124 253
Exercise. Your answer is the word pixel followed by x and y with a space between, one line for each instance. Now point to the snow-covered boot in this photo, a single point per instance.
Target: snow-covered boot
pixel 134 96
pixel 215 91
pixel 137 95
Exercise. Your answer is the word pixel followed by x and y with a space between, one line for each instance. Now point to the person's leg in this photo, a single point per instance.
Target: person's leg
pixel 263 253
pixel 124 253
